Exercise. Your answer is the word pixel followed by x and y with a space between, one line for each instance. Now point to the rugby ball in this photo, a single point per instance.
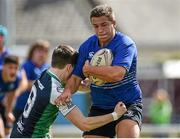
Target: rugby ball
pixel 103 57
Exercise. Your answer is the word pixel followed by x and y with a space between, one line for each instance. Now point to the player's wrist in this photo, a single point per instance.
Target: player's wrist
pixel 115 116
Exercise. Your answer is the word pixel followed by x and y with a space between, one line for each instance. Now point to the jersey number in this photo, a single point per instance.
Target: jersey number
pixel 30 102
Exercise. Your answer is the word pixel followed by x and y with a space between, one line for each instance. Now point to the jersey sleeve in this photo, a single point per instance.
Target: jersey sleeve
pixel 124 55
pixel 29 69
pixel 55 92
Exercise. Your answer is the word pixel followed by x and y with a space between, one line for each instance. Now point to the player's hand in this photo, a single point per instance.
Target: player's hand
pixel 86 68
pixel 86 83
pixel 10 117
pixel 120 109
pixel 63 98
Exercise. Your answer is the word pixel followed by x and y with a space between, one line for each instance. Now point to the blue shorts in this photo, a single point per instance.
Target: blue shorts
pixel 134 113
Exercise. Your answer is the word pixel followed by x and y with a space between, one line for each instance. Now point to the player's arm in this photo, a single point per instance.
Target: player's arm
pixel 9 103
pixel 71 87
pixel 89 123
pixel 72 84
pixel 23 84
pixel 106 73
pixel 85 85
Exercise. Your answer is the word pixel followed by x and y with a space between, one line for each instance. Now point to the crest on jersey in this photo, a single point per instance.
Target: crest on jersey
pixel 91 55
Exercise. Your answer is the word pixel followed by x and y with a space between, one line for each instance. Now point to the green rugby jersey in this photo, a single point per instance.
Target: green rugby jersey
pixel 40 110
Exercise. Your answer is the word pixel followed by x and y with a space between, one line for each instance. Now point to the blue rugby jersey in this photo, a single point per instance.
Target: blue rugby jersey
pixel 3 55
pixel 124 54
pixel 6 87
pixel 32 72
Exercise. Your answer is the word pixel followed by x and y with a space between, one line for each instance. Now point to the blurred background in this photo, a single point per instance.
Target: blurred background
pixel 153 24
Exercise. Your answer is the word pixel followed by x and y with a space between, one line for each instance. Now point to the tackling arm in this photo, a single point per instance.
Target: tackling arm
pixel 71 87
pixel 89 123
pixel 72 84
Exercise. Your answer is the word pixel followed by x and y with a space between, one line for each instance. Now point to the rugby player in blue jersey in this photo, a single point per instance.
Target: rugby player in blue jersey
pixel 121 85
pixel 40 110
pixel 3 40
pixel 10 79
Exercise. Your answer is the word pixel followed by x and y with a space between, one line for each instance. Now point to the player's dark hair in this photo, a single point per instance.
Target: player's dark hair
pixel 38 45
pixel 103 10
pixel 63 55
pixel 11 59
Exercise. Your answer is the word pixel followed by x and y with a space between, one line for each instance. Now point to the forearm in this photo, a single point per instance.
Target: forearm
pixel 23 86
pixel 107 73
pixel 72 84
pixel 30 84
pixel 10 101
pixel 88 123
pixel 98 121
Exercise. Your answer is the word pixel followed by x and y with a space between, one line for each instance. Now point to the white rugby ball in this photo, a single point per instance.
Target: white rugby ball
pixel 103 57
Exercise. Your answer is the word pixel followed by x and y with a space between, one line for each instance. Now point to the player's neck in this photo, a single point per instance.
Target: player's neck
pixel 59 73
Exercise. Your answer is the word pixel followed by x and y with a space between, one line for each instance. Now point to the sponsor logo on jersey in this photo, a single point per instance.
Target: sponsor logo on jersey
pixel 20 126
pixel 40 85
pixel 65 109
pixel 59 89
pixel 129 113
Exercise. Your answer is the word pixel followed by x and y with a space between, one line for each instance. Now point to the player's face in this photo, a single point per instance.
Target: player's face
pixel 10 71
pixel 104 28
pixel 1 41
pixel 40 56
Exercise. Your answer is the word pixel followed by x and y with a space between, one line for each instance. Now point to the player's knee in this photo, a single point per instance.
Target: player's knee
pixel 128 129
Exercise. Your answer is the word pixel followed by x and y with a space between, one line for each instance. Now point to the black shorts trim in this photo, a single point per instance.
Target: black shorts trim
pixel 134 113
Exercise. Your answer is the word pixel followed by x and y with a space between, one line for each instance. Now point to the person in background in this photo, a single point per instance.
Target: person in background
pixel 34 65
pixel 3 40
pixel 160 108
pixel 4 51
pixel 10 84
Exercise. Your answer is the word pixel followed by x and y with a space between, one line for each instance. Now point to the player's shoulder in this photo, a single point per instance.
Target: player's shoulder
pixel 18 76
pixel 6 51
pixel 45 66
pixel 44 82
pixel 27 64
pixel 89 41
pixel 54 79
pixel 124 39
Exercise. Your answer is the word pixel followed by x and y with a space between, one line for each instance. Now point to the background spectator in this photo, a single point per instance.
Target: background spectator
pixel 34 65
